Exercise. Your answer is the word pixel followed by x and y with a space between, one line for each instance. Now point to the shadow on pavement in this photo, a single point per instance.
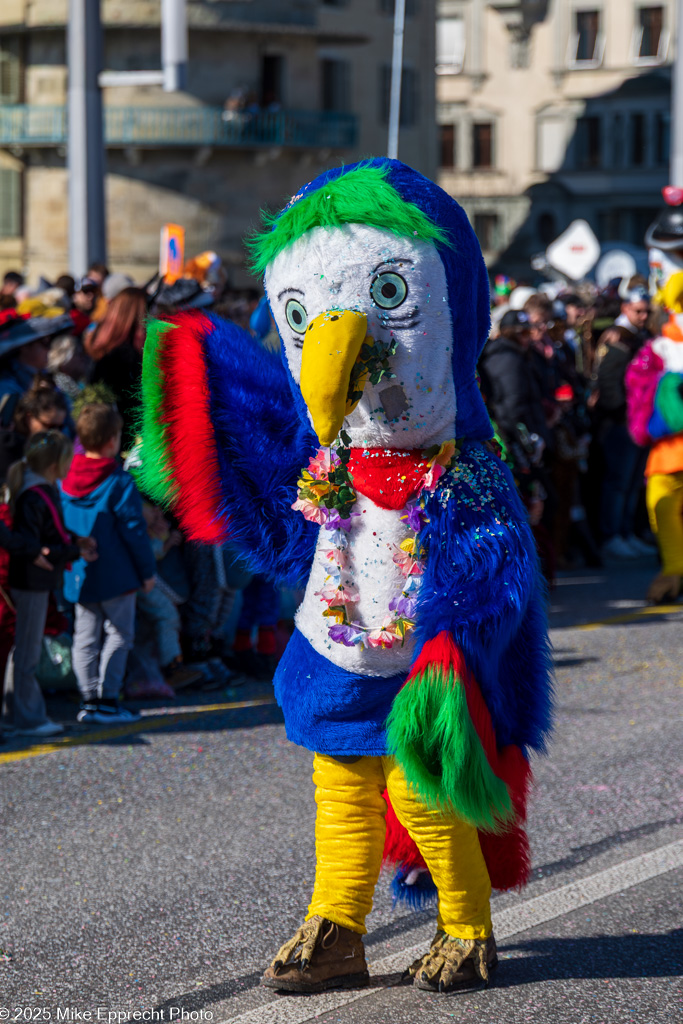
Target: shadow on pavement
pixel 586 595
pixel 581 854
pixel 595 956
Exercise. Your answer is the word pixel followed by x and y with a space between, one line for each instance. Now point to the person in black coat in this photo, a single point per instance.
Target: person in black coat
pixel 514 393
pixel 37 518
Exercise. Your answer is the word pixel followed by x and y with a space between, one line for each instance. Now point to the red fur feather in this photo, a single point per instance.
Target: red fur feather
pixel 190 433
pixel 507 854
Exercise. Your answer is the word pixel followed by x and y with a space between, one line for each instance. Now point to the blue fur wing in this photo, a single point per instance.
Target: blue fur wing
pixel 261 447
pixel 482 582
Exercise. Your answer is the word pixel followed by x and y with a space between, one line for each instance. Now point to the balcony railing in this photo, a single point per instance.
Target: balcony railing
pixel 24 125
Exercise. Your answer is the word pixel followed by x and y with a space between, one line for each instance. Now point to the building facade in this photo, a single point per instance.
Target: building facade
pixel 551 110
pixel 277 91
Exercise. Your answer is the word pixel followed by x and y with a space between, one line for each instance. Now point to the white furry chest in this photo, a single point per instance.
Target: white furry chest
pixel 374 539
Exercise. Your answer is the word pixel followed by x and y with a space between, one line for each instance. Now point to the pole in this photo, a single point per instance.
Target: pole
pixel 396 74
pixel 676 164
pixel 85 158
pixel 174 44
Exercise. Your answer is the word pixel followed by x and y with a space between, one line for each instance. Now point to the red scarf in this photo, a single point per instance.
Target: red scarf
pixel 87 474
pixel 388 477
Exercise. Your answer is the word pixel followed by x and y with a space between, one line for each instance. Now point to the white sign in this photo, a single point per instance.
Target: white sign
pixel 575 252
pixel 617 263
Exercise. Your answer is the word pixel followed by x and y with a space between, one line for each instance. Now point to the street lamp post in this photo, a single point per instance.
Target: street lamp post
pixel 676 164
pixel 396 74
pixel 85 156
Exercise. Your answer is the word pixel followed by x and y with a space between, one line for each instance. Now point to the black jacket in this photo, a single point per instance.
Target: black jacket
pixel 33 520
pixel 514 390
pixel 16 544
pixel 611 403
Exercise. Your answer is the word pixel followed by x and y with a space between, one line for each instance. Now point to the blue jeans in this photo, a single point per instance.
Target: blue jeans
pixel 624 469
pixel 103 634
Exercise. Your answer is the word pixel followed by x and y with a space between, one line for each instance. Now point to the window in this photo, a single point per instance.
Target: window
pixel 652 40
pixel 663 137
pixel 637 140
pixel 482 144
pixel 588 143
pixel 272 77
pixel 10 203
pixel 587 43
pixel 450 46
pixel 335 85
pixel 617 140
pixel 546 227
pixel 487 230
pixel 551 142
pixel 10 71
pixel 409 97
pixel 447 140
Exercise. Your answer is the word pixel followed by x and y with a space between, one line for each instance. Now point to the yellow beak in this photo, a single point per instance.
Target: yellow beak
pixel 331 346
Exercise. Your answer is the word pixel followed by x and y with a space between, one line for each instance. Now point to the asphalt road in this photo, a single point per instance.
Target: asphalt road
pixel 159 869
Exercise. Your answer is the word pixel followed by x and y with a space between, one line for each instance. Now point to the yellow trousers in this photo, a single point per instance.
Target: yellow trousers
pixel 664 496
pixel 349 834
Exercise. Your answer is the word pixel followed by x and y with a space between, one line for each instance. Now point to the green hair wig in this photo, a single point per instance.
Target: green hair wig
pixel 363 196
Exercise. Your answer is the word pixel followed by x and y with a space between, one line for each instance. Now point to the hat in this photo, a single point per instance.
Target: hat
pixel 48 303
pixel 515 319
pixel 502 284
pixel 114 285
pixel 519 295
pixel 185 293
pixel 22 331
pixel 637 294
pixel 565 393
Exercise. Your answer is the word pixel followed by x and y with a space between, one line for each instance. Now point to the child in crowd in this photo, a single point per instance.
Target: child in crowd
pixel 37 516
pixel 101 499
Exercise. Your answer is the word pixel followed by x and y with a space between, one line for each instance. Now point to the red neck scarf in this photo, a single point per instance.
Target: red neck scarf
pixel 388 477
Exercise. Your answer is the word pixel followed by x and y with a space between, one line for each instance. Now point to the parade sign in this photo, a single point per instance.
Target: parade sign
pixel 172 252
pixel 575 252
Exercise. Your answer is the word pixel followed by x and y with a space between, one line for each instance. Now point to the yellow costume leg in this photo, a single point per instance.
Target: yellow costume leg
pixel 665 509
pixel 453 855
pixel 349 838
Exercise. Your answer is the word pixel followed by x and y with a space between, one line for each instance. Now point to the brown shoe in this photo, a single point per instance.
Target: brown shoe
pixel 455 965
pixel 321 955
pixel 179 677
pixel 664 588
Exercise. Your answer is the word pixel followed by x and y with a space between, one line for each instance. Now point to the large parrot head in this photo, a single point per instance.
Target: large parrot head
pixel 377 285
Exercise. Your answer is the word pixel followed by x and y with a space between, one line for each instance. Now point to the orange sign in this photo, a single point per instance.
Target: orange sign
pixel 172 252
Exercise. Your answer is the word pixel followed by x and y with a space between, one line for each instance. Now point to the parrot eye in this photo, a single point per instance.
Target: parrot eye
pixel 388 290
pixel 297 317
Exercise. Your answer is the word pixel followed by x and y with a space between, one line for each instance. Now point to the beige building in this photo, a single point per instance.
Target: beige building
pixel 550 110
pixel 277 91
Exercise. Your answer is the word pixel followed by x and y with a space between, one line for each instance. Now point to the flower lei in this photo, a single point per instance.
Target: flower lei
pixel 326 496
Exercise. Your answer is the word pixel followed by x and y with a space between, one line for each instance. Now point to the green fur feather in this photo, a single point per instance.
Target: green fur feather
pixel 669 401
pixel 154 475
pixel 362 196
pixel 431 734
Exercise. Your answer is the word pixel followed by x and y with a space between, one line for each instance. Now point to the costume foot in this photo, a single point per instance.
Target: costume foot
pixel 664 588
pixel 455 965
pixel 321 955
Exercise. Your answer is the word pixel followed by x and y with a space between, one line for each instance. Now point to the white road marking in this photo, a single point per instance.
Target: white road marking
pixel 506 923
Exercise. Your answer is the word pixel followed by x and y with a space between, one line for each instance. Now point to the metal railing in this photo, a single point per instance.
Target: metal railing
pixel 26 125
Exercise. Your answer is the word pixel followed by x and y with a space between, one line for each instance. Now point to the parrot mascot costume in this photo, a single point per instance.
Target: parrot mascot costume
pixel 654 396
pixel 357 466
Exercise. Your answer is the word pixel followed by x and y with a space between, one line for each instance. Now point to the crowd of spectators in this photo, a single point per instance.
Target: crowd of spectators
pixel 552 374
pixel 154 612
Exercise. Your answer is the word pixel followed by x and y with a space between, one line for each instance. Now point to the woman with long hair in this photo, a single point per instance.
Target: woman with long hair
pixel 116 349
